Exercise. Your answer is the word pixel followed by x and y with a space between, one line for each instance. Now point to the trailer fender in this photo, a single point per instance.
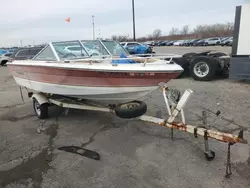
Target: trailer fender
pixel 41 98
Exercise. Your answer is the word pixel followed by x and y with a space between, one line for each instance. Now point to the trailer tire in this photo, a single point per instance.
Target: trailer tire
pixel 41 110
pixel 131 109
pixel 210 157
pixel 203 68
pixel 3 63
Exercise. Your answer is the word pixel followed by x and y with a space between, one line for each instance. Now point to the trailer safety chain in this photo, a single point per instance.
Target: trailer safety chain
pixel 204 118
pixel 21 93
pixel 172 134
pixel 195 132
pixel 228 164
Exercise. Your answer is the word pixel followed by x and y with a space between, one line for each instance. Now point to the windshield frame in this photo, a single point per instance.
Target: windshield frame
pixel 86 54
pixel 100 42
pixel 82 49
pixel 117 43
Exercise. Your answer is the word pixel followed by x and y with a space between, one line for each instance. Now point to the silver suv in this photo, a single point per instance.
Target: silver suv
pixel 212 41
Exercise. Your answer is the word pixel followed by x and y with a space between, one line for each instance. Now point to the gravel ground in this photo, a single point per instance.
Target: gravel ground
pixel 133 153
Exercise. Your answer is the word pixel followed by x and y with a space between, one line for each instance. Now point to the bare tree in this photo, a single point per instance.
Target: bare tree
pixel 157 33
pixel 201 31
pixel 174 31
pixel 120 38
pixel 114 37
pixel 184 30
pixel 150 37
pixel 215 30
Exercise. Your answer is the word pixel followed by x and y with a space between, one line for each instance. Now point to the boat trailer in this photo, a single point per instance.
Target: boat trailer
pixel 175 104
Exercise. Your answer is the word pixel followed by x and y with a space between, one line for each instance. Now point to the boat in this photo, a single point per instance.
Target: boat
pixel 109 74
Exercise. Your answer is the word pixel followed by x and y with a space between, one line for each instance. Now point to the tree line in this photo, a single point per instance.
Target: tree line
pixel 200 31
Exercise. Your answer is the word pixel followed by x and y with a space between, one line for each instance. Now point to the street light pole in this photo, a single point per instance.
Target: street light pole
pixel 99 34
pixel 93 19
pixel 133 9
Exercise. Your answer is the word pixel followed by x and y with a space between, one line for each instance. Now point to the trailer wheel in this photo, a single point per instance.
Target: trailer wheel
pixel 3 63
pixel 210 157
pixel 203 68
pixel 131 109
pixel 41 110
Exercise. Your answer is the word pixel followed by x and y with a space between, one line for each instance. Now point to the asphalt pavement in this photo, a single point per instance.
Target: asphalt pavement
pixel 132 153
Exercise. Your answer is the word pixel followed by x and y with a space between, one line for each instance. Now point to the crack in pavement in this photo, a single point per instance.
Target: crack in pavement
pixel 12 106
pixel 11 118
pixel 103 128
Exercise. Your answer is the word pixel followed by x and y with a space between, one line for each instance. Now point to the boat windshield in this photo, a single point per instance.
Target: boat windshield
pixel 70 50
pixel 114 48
pixel 94 48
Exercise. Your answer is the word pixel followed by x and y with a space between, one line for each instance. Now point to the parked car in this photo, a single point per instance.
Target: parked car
pixel 223 39
pixel 171 43
pixel 182 43
pixel 3 51
pixel 212 41
pixel 192 42
pixel 25 53
pixel 4 58
pixel 165 43
pixel 178 42
pixel 227 42
pixel 158 43
pixel 148 43
pixel 187 42
pixel 199 43
pixel 137 48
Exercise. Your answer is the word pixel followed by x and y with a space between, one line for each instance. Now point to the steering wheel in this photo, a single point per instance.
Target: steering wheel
pixel 69 54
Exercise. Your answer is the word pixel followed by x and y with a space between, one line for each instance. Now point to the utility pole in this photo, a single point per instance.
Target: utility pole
pixel 99 33
pixel 93 20
pixel 133 10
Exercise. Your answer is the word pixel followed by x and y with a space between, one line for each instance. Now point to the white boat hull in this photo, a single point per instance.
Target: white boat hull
pixel 105 94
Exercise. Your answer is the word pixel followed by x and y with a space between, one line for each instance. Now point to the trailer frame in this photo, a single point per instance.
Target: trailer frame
pixel 174 106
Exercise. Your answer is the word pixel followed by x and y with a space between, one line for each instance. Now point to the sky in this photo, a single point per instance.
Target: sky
pixel 36 21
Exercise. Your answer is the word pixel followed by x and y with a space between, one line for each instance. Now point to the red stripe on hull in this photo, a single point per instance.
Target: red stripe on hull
pixel 88 78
